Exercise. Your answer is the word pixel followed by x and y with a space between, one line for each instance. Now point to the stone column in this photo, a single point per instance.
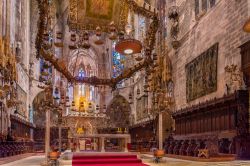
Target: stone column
pixel 125 144
pixel 160 131
pixel 47 135
pixel 77 144
pixel 102 144
pixel 60 137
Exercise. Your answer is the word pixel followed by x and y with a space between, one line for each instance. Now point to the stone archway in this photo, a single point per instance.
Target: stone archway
pixel 39 112
pixel 119 112
pixel 39 119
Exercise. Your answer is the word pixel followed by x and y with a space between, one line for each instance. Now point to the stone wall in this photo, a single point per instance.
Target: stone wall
pixel 220 24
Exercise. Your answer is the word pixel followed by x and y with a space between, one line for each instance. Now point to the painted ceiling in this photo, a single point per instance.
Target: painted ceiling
pixel 88 14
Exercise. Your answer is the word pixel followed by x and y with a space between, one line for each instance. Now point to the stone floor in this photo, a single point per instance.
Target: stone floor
pixel 38 159
pixel 178 162
pixel 29 161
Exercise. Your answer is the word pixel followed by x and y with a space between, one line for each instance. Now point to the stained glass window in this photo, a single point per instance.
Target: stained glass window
pixel 92 93
pixel 81 74
pixel 142 27
pixel 81 90
pixel 118 62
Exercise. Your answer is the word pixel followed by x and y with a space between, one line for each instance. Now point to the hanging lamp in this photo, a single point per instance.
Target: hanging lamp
pixel 129 45
pixel 246 26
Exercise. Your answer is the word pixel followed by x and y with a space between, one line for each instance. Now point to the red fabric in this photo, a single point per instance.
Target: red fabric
pixel 129 146
pixel 106 160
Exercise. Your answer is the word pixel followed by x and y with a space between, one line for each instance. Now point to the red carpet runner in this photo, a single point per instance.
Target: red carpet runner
pixel 106 160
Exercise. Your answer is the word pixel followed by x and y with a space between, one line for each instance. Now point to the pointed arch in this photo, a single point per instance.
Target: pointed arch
pixel 119 112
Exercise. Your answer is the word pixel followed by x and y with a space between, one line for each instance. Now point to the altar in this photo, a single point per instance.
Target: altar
pixel 100 142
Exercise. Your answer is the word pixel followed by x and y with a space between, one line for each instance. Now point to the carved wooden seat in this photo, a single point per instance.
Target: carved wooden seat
pixel 7 149
pixel 3 152
pixel 171 147
pixel 191 148
pixel 203 153
pixel 177 147
pixel 224 146
pixel 13 148
pixel 18 147
pixel 231 147
pixel 183 147
pixel 196 149
pixel 22 147
pixel 166 147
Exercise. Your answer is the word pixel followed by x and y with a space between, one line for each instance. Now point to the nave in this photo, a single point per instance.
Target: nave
pixel 124 82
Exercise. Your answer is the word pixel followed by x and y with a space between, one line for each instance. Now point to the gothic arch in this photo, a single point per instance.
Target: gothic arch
pixel 39 117
pixel 119 112
pixel 82 58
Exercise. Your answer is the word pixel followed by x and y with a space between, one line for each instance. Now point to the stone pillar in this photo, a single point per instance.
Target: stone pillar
pixel 32 134
pixel 47 135
pixel 102 144
pixel 160 131
pixel 77 145
pixel 125 144
pixel 60 137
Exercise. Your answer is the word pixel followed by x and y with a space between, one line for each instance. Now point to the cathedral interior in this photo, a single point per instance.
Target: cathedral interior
pixel 124 82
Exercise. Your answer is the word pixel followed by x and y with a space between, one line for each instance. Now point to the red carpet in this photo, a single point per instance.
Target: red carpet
pixel 106 160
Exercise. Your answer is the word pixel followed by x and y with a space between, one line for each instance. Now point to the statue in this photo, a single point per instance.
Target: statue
pixel 234 78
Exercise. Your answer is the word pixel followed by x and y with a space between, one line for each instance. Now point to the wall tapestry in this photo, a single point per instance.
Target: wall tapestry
pixel 201 74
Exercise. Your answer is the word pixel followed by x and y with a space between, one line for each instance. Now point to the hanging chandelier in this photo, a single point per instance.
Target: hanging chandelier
pixel 128 45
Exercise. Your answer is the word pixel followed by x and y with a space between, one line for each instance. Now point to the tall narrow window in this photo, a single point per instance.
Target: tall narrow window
pixel 142 27
pixel 118 62
pixel 81 75
pixel 4 17
pixel 201 6
pixel 197 7
pixel 92 93
pixel 81 90
pixel 211 3
pixel 204 5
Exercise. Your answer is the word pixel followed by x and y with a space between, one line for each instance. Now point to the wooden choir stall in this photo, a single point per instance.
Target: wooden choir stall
pixel 217 127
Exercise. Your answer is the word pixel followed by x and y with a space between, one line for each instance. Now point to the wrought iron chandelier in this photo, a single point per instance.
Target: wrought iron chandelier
pixel 80 39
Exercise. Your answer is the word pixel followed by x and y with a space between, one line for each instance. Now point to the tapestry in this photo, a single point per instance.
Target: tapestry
pixel 201 74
